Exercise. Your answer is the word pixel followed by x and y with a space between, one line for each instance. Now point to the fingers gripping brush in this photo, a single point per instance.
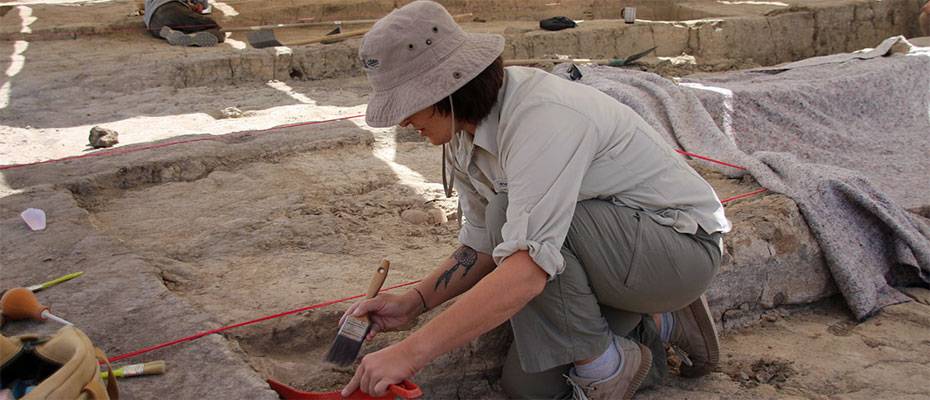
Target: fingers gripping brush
pixel 353 331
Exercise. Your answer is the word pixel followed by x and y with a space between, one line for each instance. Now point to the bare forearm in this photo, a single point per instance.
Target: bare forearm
pixel 493 300
pixel 455 275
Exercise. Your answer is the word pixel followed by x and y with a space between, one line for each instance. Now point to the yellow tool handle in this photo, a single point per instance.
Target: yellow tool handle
pixel 53 282
pixel 149 368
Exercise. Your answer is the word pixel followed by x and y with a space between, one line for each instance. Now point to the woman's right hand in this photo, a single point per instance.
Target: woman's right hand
pixel 387 312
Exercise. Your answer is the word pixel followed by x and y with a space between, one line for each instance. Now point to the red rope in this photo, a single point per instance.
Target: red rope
pixel 228 327
pixel 125 150
pixel 743 196
pixel 709 159
pixel 728 199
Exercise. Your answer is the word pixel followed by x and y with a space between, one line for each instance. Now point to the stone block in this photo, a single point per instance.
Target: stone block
pixel 793 34
pixel 670 39
pixel 770 259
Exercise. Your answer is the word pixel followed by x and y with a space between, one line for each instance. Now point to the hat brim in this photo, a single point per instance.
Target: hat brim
pixel 390 107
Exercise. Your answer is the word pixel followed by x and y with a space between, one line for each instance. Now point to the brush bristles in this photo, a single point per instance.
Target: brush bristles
pixel 154 368
pixel 343 351
pixel 348 342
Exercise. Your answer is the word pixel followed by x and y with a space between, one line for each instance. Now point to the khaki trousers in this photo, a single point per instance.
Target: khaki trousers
pixel 620 266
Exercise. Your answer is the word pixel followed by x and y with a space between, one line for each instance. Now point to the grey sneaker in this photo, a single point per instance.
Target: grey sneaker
pixel 694 338
pixel 637 359
pixel 178 38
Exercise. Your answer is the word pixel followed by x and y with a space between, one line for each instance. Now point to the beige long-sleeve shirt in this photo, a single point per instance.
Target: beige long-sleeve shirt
pixel 550 143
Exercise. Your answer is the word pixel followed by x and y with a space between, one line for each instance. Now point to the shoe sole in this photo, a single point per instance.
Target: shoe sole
pixel 204 39
pixel 644 364
pixel 701 311
pixel 199 39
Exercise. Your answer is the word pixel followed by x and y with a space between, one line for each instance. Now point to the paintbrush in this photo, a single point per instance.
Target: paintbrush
pixel 353 330
pixel 149 368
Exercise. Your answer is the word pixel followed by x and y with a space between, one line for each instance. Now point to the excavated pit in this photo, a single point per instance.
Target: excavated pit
pixel 268 233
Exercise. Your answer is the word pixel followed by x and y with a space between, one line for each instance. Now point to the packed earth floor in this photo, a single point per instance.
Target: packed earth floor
pixel 245 184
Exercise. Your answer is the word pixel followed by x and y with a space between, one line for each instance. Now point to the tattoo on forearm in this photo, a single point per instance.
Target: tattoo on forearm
pixel 464 257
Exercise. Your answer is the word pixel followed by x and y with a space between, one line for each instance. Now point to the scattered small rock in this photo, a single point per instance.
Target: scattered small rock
pixel 415 217
pixel 437 216
pixel 763 371
pixel 770 316
pixel 841 328
pixel 772 371
pixel 102 137
pixel 231 112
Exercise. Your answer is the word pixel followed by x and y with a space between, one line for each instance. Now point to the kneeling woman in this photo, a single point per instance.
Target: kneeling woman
pixel 579 220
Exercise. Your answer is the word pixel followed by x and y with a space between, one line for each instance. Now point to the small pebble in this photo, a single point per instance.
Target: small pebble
pixel 231 112
pixel 437 216
pixel 102 137
pixel 415 217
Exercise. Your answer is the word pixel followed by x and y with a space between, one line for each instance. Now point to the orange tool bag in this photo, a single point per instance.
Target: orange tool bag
pixel 62 366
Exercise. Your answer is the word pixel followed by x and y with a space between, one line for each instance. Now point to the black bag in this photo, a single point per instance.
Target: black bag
pixel 557 23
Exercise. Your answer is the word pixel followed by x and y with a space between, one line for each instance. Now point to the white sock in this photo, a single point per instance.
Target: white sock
pixel 668 324
pixel 603 366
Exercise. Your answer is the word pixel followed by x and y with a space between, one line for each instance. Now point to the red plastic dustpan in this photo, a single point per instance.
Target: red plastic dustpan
pixel 404 390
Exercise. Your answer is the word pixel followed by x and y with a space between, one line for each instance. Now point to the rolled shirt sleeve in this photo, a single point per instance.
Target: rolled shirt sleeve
pixel 545 152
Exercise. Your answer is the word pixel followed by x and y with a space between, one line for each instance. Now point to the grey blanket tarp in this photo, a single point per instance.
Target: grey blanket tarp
pixel 847 138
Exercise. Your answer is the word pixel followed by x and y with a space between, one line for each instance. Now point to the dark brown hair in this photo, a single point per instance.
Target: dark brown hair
pixel 474 101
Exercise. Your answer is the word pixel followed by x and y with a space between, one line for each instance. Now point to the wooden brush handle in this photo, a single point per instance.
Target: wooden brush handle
pixel 378 279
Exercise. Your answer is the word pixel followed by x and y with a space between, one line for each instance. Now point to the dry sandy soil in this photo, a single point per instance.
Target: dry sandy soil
pixel 220 231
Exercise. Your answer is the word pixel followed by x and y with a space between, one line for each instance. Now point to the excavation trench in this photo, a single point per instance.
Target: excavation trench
pixel 263 235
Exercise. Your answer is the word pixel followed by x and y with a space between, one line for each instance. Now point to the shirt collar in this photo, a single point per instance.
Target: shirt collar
pixel 486 132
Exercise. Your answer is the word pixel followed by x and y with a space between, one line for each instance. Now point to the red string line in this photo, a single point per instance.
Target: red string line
pixel 228 327
pixel 709 159
pixel 125 150
pixel 743 196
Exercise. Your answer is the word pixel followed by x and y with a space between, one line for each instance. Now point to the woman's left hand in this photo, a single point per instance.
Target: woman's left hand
pixel 380 369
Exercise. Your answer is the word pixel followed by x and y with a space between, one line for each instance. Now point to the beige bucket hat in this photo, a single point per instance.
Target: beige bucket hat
pixel 416 56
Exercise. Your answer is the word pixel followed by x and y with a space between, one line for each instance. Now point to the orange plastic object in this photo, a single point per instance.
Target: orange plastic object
pixel 405 390
pixel 21 303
